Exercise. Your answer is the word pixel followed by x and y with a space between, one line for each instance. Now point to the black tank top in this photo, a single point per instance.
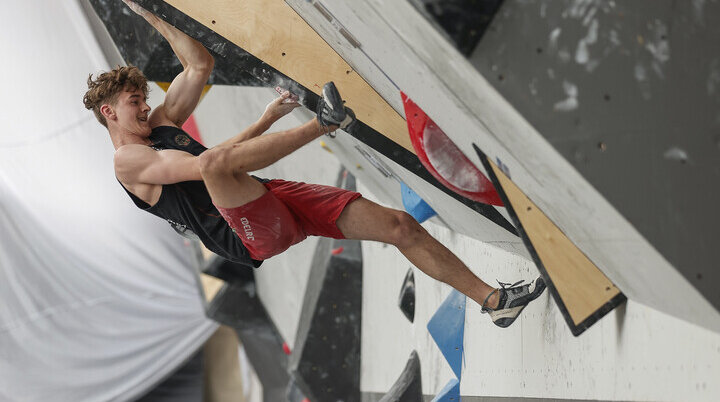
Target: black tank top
pixel 187 205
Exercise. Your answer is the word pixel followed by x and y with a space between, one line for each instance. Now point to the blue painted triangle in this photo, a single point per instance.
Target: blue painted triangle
pixel 451 392
pixel 414 205
pixel 447 328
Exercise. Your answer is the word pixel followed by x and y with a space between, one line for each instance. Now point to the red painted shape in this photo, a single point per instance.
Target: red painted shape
pixel 444 160
pixel 191 128
pixel 338 250
pixel 286 348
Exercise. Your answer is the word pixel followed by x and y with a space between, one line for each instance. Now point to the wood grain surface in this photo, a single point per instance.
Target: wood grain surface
pixel 273 32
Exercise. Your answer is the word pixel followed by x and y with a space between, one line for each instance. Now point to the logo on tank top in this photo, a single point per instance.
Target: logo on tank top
pixel 182 140
pixel 246 227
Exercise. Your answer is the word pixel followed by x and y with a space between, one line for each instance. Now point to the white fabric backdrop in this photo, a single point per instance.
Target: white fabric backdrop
pixel 98 300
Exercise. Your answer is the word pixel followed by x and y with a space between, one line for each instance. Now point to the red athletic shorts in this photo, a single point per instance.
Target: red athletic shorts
pixel 285 215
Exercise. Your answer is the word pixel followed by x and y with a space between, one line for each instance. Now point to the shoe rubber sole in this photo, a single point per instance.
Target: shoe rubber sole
pixel 505 317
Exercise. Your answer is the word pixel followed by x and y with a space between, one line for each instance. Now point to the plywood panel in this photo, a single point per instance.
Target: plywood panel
pixel 273 32
pixel 583 289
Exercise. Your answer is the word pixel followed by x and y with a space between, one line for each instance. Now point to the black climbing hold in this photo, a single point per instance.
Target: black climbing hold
pixel 408 387
pixel 406 302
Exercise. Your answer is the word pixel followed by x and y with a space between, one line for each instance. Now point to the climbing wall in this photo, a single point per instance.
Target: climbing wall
pixel 631 354
pixel 402 44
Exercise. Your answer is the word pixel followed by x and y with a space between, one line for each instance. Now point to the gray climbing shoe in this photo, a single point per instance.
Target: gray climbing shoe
pixel 330 109
pixel 513 299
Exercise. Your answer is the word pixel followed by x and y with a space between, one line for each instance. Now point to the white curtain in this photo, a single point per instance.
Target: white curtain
pixel 98 300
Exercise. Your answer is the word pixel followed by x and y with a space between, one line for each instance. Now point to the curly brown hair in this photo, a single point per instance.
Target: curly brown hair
pixel 107 87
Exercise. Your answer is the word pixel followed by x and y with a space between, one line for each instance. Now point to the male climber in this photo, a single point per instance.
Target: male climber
pixel 210 193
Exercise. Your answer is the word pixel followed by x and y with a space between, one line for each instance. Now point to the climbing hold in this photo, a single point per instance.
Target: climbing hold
pixel 444 160
pixel 286 348
pixel 325 147
pixel 414 205
pixel 337 251
pixel 447 328
pixel 407 296
pixel 408 387
pixel 676 154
